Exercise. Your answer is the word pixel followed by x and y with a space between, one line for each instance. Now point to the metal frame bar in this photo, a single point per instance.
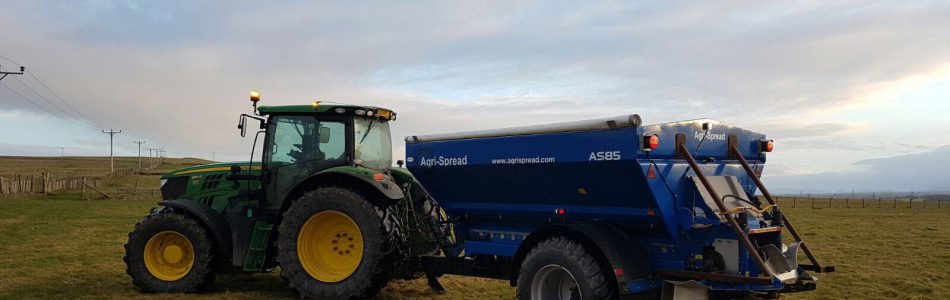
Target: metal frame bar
pixel 714 276
pixel 681 147
pixel 734 150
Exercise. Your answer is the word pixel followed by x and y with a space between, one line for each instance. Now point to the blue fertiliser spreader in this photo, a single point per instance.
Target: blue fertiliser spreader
pixel 662 209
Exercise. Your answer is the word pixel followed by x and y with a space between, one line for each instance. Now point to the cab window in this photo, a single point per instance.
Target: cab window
pixel 300 139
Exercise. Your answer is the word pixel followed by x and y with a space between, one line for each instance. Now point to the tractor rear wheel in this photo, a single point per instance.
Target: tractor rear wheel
pixel 169 252
pixel 332 245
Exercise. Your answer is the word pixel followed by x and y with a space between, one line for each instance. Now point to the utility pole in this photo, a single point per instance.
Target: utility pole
pixel 160 155
pixel 22 69
pixel 150 157
pixel 140 151
pixel 62 151
pixel 212 156
pixel 111 134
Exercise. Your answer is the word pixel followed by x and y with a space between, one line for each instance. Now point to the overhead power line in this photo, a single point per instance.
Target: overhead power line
pixel 61 99
pixel 76 113
pixel 72 111
pixel 47 100
pixel 27 99
pixel 10 60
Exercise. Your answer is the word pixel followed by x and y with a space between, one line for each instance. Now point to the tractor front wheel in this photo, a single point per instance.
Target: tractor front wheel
pixel 332 245
pixel 169 252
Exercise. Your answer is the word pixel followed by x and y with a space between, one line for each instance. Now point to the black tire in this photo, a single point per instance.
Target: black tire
pixel 202 273
pixel 375 266
pixel 559 254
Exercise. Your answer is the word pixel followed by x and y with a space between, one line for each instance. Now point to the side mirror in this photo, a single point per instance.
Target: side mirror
pixel 242 125
pixel 324 135
pixel 399 163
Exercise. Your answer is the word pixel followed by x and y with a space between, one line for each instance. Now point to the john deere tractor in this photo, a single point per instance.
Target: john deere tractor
pixel 323 203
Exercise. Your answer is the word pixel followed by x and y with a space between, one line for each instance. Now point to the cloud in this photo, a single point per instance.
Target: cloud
pixel 897 173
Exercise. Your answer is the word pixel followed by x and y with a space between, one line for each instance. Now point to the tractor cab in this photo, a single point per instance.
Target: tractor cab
pixel 301 141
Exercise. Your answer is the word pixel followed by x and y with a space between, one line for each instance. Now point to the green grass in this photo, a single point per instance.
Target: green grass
pixel 64 248
pixel 61 247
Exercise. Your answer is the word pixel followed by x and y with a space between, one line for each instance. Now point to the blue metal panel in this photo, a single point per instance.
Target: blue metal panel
pixel 594 173
pixel 490 248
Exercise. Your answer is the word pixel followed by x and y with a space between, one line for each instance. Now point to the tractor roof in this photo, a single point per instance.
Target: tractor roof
pixel 317 107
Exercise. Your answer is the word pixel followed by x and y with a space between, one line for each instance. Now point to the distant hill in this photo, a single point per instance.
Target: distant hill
pixel 84 165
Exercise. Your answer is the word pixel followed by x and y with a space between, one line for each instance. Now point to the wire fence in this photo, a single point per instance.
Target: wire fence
pixel 879 202
pixel 93 184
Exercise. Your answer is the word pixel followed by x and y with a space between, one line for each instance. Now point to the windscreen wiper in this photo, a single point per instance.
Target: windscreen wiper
pixel 368 128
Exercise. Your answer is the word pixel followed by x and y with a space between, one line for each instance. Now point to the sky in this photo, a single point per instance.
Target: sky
pixel 855 94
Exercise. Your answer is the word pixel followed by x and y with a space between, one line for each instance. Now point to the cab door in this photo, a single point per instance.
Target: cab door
pixel 297 147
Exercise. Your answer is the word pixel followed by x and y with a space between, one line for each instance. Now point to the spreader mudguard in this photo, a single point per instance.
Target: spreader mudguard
pixel 620 250
pixel 617 247
pixel 210 219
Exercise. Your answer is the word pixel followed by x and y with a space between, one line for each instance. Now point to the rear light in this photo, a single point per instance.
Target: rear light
pixel 560 212
pixel 651 142
pixel 766 146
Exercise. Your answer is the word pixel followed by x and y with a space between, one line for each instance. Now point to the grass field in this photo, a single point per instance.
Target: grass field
pixel 60 247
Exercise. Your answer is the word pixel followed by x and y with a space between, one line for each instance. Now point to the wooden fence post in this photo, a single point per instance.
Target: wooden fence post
pixel 83 192
pixel 45 183
pixel 862 202
pixel 895 202
pixel 2 189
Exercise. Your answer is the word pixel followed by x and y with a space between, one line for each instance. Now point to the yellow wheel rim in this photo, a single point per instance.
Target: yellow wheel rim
pixel 169 256
pixel 330 246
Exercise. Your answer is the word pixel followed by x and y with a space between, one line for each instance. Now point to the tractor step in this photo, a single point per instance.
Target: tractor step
pixel 257 248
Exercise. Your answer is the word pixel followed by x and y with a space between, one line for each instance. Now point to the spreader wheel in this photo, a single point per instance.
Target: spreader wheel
pixel 561 269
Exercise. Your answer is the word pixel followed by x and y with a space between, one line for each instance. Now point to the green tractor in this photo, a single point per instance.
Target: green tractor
pixel 324 204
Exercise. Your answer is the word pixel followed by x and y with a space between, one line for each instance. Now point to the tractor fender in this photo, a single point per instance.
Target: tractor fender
pixel 349 175
pixel 616 246
pixel 210 219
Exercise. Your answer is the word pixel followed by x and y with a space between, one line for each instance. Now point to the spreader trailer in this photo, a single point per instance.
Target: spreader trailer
pixel 609 208
pixel 595 209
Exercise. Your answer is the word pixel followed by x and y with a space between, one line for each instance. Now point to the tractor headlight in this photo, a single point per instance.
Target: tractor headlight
pixel 162 181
